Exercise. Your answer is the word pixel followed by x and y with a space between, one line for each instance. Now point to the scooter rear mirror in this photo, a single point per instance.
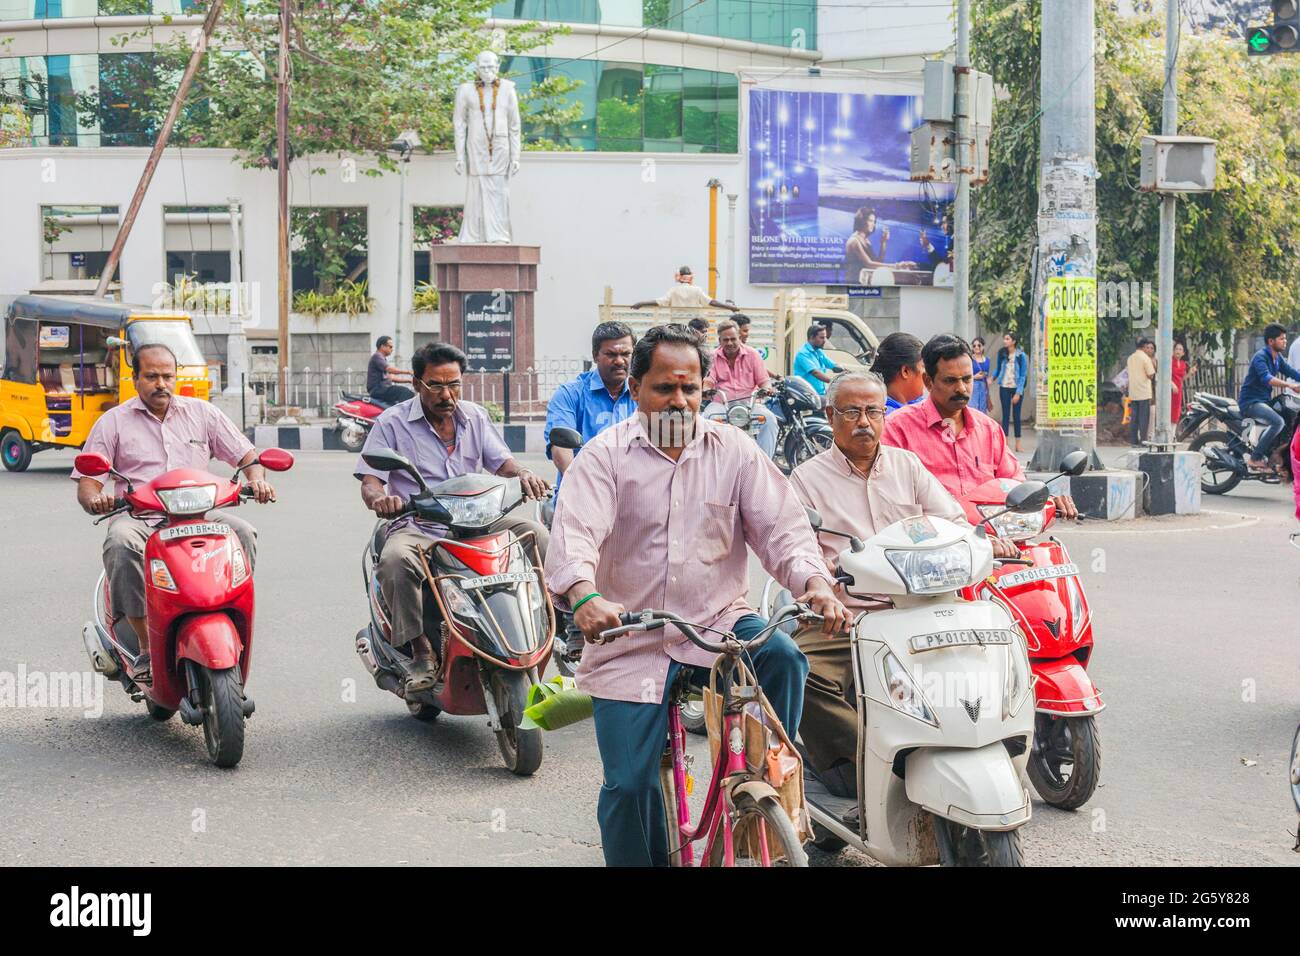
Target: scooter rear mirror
pixel 385 459
pixel 275 459
pixel 565 438
pixel 1027 497
pixel 1075 463
pixel 814 518
pixel 92 465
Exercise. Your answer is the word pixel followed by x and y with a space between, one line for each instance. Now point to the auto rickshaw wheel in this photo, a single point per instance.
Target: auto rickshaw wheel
pixel 15 451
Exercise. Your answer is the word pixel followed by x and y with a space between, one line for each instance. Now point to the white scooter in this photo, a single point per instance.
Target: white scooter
pixel 944 699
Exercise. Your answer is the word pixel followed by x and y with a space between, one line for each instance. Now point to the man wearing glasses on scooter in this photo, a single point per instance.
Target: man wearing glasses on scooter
pixel 859 487
pixel 660 511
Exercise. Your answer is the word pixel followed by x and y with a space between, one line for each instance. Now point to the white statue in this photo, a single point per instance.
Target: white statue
pixel 487 147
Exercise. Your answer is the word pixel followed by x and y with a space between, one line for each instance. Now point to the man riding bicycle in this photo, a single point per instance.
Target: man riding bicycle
pixel 657 512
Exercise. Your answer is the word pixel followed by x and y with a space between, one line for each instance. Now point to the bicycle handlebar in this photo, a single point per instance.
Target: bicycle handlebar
pixel 650 620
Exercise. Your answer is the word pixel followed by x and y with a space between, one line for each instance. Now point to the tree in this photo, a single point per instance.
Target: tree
pixel 361 73
pixel 548 110
pixel 1236 255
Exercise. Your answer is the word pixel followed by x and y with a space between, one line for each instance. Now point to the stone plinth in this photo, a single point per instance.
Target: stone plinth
pixel 486 299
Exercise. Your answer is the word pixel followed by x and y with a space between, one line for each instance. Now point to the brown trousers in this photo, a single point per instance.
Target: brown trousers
pixel 401 575
pixel 829 726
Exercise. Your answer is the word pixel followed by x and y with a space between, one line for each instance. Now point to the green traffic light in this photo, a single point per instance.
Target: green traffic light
pixel 1259 40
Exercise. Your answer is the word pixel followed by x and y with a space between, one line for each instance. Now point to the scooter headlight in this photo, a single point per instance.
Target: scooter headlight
pixel 933 571
pixel 1016 686
pixel 738 415
pixel 904 695
pixel 474 511
pixel 192 500
pixel 457 601
pixel 1012 526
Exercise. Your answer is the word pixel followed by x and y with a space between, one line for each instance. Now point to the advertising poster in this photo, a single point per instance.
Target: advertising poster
pixel 830 202
pixel 1071 347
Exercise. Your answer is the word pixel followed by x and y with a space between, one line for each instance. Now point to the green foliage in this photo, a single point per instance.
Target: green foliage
pixel 323 238
pixel 495 412
pixel 425 298
pixel 434 225
pixel 547 111
pixel 618 124
pixel 1236 261
pixel 15 125
pixel 352 298
pixel 361 73
pixel 51 229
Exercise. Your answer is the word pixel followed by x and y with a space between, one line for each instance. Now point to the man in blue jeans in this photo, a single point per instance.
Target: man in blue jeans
pixel 1265 374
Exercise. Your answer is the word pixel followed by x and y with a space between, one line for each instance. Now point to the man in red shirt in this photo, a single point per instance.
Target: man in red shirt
pixel 738 370
pixel 960 446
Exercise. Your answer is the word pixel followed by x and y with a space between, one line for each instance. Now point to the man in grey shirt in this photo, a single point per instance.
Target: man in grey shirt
pixel 380 376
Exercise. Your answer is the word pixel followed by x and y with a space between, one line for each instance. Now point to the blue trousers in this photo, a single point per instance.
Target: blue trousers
pixel 1274 422
pixel 631 738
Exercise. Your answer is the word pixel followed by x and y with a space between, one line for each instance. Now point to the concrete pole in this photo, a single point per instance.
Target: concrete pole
pixel 731 247
pixel 1067 199
pixel 236 343
pixel 398 345
pixel 1168 217
pixel 965 160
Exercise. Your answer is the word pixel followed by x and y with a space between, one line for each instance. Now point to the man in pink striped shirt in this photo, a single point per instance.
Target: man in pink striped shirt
pixel 656 513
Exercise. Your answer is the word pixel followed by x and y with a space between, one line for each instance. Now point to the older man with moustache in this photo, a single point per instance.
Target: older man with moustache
pixel 859 487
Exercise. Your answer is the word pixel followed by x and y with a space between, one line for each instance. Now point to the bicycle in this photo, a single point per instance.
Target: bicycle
pixel 738 799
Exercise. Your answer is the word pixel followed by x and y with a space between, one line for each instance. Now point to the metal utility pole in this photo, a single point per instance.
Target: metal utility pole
pixel 731 246
pixel 236 344
pixel 405 160
pixel 1067 203
pixel 282 169
pixel 155 154
pixel 1168 215
pixel 965 152
pixel 715 187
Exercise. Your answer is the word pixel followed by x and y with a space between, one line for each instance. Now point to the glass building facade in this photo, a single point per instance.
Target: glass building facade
pixel 53 9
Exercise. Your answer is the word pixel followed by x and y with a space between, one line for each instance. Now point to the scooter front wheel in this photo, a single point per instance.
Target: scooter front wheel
pixel 964 846
pixel 160 714
pixel 222 693
pixel 1065 762
pixel 353 438
pixel 521 749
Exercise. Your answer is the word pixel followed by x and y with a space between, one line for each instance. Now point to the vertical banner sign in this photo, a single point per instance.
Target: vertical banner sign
pixel 490 331
pixel 1071 348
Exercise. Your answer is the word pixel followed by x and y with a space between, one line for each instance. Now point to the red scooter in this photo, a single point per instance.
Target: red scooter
pixel 357 414
pixel 198 604
pixel 1044 595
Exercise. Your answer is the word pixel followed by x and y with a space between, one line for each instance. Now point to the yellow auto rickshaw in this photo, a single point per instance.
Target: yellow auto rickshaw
pixel 67 360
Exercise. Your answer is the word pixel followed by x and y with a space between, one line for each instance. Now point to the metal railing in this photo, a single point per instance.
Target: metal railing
pixel 508 396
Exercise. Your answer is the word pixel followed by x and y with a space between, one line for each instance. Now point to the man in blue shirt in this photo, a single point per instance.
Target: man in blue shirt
pixel 811 363
pixel 597 398
pixel 1265 372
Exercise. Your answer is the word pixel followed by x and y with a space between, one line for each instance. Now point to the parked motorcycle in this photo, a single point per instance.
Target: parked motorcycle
pixel 942 688
pixel 357 414
pixel 804 431
pixel 1224 450
pixel 1043 593
pixel 198 600
pixel 485 607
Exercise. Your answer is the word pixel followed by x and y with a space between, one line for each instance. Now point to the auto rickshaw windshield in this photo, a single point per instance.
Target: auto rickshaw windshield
pixel 176 335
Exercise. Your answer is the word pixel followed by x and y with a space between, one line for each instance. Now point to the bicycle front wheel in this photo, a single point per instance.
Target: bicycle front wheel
pixel 761 822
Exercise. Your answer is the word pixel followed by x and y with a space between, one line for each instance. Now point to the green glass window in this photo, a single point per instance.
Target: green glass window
pixel 663 109
pixel 619 107
pixel 581 133
pixel 661 14
pixel 801 25
pixel 125 117
pixel 728 101
pixel 767 24
pixel 733 19
pixel 700 111
pixel 699 17
pixel 520 10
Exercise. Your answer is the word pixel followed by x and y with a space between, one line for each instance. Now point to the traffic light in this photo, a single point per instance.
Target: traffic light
pixel 1283 36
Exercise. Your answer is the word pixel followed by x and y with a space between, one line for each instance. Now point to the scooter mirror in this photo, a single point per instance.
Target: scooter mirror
pixel 92 464
pixel 1027 497
pixel 385 459
pixel 814 518
pixel 275 459
pixel 1075 463
pixel 565 438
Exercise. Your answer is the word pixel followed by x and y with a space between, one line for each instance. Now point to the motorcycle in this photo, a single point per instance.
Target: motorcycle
pixel 942 689
pixel 748 414
pixel 485 606
pixel 1042 592
pixel 357 414
pixel 198 600
pixel 804 431
pixel 1224 450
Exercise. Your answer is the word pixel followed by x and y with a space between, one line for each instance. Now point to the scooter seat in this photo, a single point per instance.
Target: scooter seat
pixel 351 397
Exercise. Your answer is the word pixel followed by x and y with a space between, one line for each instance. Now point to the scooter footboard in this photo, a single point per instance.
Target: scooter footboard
pixel 976 787
pixel 210 640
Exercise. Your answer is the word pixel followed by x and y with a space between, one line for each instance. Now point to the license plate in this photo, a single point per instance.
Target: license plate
pixel 1029 575
pixel 930 642
pixel 492 580
pixel 190 530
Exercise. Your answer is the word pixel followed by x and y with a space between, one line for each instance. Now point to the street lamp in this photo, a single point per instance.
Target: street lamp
pixel 404 145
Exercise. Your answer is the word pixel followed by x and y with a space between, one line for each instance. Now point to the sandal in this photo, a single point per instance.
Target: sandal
pixel 142 671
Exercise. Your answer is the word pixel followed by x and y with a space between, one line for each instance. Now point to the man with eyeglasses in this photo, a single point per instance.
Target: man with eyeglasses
pixel 443 437
pixel 859 487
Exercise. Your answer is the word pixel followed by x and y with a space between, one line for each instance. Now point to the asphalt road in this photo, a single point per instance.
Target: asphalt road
pixel 1197 658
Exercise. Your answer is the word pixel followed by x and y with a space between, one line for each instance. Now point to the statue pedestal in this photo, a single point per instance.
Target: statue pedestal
pixel 485 296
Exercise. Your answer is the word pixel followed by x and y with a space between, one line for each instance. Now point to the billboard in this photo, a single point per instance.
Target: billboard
pixel 830 202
